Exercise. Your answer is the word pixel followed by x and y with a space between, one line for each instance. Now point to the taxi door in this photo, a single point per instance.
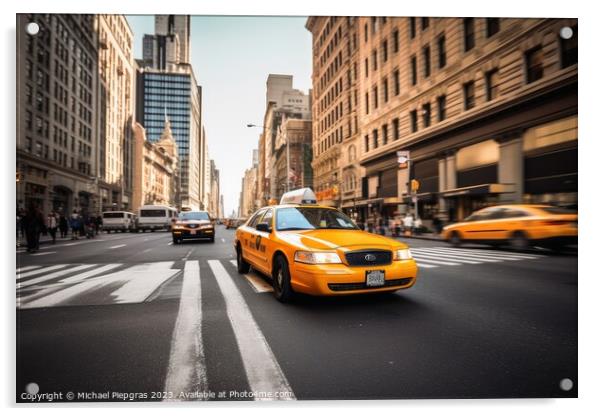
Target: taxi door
pixel 264 245
pixel 248 238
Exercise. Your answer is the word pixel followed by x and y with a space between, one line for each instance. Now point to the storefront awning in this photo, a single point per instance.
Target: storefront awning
pixel 485 189
pixel 378 201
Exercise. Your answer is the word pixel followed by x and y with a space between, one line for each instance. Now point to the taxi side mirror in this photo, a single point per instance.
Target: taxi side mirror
pixel 263 227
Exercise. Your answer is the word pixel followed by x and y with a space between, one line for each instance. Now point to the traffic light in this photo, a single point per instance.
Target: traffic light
pixel 414 185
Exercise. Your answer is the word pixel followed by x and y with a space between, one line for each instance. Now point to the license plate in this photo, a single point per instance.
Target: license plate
pixel 192 232
pixel 375 278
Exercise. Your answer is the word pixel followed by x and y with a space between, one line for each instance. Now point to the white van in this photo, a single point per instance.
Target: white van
pixel 118 221
pixel 156 217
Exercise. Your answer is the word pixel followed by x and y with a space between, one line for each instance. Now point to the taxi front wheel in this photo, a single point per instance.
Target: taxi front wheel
pixel 281 280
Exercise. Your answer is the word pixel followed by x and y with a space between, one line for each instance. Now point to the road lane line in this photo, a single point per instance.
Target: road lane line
pixel 234 263
pixel 26 268
pixel 70 244
pixel 443 256
pixel 42 270
pixel 147 250
pixel 117 246
pixel 263 371
pixel 426 266
pixel 424 259
pixel 54 275
pixel 43 254
pixel 170 243
pixel 258 284
pixel 38 300
pixel 223 240
pixel 186 372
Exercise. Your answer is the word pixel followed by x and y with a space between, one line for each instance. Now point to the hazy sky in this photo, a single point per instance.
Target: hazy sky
pixel 232 57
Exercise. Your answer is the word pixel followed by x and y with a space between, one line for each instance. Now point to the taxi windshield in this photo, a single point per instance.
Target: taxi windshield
pixel 300 218
pixel 193 215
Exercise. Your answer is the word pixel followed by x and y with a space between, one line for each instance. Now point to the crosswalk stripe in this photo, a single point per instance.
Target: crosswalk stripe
pixel 456 256
pixel 426 266
pixel 436 255
pixel 54 275
pixel 424 259
pixel 140 284
pixel 234 263
pixel 26 268
pixel 263 371
pixel 43 254
pixel 38 271
pixel 493 253
pixel 51 297
pixel 117 246
pixel 258 284
pixel 481 257
pixel 186 372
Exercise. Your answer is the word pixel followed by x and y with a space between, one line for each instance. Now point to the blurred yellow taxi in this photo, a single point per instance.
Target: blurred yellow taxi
pixel 520 226
pixel 317 250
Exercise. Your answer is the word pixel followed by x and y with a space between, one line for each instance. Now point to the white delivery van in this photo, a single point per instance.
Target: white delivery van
pixel 118 221
pixel 156 217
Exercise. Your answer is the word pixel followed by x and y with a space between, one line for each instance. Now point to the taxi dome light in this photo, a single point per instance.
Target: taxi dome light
pixel 299 196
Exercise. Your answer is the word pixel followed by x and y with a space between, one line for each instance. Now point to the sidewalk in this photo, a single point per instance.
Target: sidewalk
pixel 46 239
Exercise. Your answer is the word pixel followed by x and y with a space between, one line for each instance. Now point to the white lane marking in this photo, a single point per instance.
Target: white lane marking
pixel 493 254
pixel 146 239
pixel 426 266
pixel 42 270
pixel 187 255
pixel 234 263
pixel 170 243
pixel 117 246
pixel 26 268
pixel 263 371
pixel 50 297
pixel 477 257
pixel 147 250
pixel 69 244
pixel 43 254
pixel 442 256
pixel 424 259
pixel 54 275
pixel 223 240
pixel 186 372
pixel 141 284
pixel 258 284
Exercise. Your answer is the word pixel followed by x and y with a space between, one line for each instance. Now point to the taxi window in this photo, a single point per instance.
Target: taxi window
pixel 479 216
pixel 253 221
pixel 267 218
pixel 515 213
pixel 312 218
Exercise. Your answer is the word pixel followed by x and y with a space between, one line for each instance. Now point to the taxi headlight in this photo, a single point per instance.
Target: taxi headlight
pixel 324 257
pixel 403 254
pixel 205 226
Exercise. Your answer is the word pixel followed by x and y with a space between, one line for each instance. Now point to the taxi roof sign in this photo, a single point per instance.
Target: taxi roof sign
pixel 299 196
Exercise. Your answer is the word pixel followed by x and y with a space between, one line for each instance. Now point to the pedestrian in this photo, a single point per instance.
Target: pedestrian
pixel 75 224
pixel 98 221
pixel 51 226
pixel 437 225
pixel 63 226
pixel 408 224
pixel 34 223
pixel 417 225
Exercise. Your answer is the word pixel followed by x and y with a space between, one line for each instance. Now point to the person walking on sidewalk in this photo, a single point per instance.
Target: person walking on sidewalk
pixel 417 226
pixel 408 224
pixel 75 224
pixel 34 223
pixel 63 226
pixel 51 225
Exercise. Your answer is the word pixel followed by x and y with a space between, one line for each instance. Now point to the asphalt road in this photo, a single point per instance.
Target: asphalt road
pixel 127 314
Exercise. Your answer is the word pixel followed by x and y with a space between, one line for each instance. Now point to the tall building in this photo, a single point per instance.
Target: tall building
pixel 171 91
pixel 335 111
pixel 57 110
pixel 169 46
pixel 116 73
pixel 293 156
pixel 486 108
pixel 214 198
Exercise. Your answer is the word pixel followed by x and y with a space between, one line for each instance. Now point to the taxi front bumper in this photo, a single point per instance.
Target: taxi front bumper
pixel 340 279
pixel 186 233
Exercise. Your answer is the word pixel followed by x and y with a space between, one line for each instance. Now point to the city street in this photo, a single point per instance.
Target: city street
pixel 132 313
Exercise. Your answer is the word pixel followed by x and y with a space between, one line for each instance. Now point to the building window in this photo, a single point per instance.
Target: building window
pixel 413 70
pixel 366 143
pixel 366 67
pixel 468 33
pixel 374 138
pixel 396 41
pixel 425 23
pixel 367 104
pixel 469 98
pixel 568 48
pixel 492 83
pixel 375 96
pixel 493 26
pixel 426 115
pixel 441 51
pixel 374 60
pixel 385 129
pixel 386 89
pixel 395 128
pixel 412 27
pixel 414 121
pixel 426 56
pixel 366 32
pixel 441 104
pixel 534 64
pixel 385 46
pixel 396 82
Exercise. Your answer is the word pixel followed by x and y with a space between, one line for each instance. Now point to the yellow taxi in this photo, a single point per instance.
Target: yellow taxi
pixel 317 250
pixel 520 226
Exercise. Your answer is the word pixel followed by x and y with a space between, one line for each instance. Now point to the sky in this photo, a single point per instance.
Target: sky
pixel 232 57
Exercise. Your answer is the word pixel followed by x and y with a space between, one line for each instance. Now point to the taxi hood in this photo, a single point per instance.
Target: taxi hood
pixel 329 239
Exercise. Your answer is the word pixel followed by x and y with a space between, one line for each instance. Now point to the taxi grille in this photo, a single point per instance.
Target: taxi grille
pixel 339 287
pixel 358 258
